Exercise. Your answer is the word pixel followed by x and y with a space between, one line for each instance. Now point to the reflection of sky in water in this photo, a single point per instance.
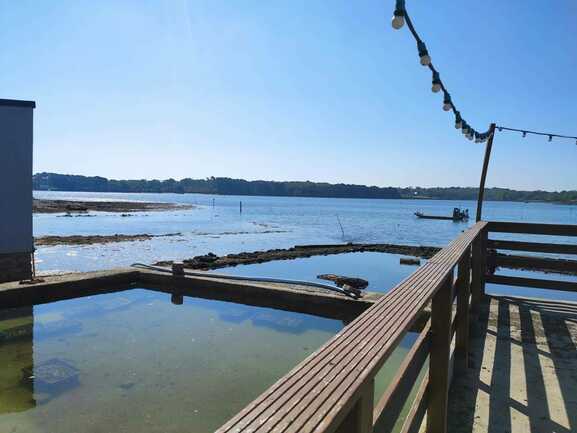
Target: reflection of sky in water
pixel 137 363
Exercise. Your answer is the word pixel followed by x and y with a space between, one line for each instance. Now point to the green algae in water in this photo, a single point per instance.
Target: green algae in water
pixel 144 364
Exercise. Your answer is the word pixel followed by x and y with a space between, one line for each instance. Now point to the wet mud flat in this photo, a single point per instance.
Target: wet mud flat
pixel 71 206
pixel 97 239
pixel 212 261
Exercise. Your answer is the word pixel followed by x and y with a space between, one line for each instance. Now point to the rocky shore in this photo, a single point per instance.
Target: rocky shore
pixel 212 261
pixel 95 239
pixel 81 207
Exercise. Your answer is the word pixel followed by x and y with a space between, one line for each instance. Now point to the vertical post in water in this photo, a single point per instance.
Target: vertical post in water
pixel 441 312
pixel 241 207
pixel 484 172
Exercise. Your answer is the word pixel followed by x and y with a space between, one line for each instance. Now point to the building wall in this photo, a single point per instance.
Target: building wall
pixel 16 239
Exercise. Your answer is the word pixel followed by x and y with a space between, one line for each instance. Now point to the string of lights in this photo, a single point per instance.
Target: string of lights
pixel 400 16
pixel 524 132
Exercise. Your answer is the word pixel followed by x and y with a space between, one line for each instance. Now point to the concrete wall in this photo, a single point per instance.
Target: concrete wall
pixel 16 239
pixel 16 176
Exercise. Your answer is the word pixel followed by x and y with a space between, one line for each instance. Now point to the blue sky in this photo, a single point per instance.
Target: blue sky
pixel 294 90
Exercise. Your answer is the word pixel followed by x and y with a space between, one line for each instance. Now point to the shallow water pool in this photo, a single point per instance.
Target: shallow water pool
pixel 132 361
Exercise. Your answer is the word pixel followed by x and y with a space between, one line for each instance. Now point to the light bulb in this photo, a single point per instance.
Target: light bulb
pixel 550 138
pixel 398 21
pixel 423 53
pixel 436 87
pixel 458 125
pixel 425 60
pixel 447 104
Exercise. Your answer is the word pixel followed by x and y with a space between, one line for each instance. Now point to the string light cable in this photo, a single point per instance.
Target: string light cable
pixel 524 133
pixel 400 17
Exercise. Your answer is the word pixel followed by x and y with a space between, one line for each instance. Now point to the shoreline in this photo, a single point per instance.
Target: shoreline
pixel 45 206
pixel 49 241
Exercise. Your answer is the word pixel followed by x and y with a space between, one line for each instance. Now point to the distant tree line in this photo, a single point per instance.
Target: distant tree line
pixel 211 185
pixel 491 194
pixel 227 186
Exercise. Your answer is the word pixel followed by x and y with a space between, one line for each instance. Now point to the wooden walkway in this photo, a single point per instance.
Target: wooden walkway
pixel 523 375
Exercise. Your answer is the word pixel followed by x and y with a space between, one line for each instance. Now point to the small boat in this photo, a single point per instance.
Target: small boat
pixel 458 215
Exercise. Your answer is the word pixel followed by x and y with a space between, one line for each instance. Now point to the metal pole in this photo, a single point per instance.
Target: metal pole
pixel 484 172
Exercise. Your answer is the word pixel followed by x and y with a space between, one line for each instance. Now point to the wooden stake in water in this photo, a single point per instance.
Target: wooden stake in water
pixel 241 207
pixel 341 226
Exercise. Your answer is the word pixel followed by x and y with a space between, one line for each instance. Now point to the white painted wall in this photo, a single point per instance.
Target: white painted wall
pixel 16 177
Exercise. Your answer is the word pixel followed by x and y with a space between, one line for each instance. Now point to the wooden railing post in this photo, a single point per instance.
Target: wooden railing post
pixel 360 417
pixel 477 285
pixel 463 296
pixel 441 312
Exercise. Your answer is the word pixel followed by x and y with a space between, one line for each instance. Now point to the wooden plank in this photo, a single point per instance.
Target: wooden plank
pixel 566 286
pixel 534 229
pixel 439 375
pixel 537 263
pixel 319 393
pixel 481 194
pixel 534 247
pixel 416 414
pixel 360 418
pixel 463 299
pixel 483 238
pixel 393 400
pixel 476 265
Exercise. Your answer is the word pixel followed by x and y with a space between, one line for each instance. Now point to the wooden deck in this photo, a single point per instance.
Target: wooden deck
pixel 523 375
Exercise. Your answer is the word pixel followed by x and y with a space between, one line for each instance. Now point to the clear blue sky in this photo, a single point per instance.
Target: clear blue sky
pixel 294 90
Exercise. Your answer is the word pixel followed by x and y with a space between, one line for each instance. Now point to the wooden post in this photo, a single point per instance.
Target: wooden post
pixel 463 296
pixel 484 238
pixel 476 279
pixel 484 172
pixel 441 313
pixel 360 418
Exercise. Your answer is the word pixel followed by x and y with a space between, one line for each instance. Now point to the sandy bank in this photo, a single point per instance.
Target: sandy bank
pixel 95 239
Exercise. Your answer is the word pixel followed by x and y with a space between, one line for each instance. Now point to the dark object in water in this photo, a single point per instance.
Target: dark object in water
pixel 458 215
pixel 345 282
pixel 409 261
pixel 52 375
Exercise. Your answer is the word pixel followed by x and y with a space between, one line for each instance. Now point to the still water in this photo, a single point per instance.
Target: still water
pixel 265 223
pixel 132 361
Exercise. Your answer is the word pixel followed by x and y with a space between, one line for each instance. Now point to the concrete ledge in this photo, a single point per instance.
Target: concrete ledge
pixel 60 287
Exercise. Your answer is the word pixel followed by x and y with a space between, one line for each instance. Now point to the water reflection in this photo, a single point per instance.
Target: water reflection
pixel 144 361
pixel 16 355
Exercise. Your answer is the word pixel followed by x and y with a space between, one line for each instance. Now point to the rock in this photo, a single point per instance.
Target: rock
pixel 410 261
pixel 349 283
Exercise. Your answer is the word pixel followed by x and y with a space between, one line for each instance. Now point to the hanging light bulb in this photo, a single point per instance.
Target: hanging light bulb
pixel 423 53
pixel 524 134
pixel 458 120
pixel 465 128
pixel 550 138
pixel 447 104
pixel 398 20
pixel 436 82
pixel 477 138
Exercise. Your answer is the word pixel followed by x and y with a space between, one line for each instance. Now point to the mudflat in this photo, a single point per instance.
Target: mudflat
pixel 71 206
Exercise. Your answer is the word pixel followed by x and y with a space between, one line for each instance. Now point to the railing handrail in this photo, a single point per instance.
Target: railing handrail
pixel 532 228
pixel 322 392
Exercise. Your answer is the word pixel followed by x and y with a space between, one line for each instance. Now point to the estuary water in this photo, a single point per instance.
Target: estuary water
pixel 215 224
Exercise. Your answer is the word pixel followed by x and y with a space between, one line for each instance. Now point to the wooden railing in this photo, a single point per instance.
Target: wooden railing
pixel 333 389
pixel 495 260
